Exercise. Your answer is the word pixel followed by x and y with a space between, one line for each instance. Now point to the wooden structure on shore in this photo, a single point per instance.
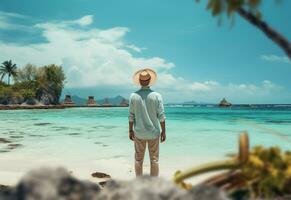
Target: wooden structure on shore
pixel 91 101
pixel 106 103
pixel 69 103
pixel 224 103
pixel 123 103
pixel 68 100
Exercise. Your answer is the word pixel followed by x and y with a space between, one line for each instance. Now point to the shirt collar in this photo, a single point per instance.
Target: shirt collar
pixel 145 87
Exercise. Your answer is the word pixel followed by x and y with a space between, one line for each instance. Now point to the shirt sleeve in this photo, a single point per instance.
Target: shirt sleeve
pixel 160 110
pixel 131 116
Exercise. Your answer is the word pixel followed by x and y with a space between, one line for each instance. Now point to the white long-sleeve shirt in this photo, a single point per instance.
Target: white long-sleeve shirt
pixel 146 111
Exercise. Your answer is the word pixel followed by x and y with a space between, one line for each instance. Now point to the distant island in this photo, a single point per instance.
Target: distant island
pixel 32 85
pixel 40 87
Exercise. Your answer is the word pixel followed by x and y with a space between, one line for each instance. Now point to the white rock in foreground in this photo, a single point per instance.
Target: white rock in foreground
pixel 58 184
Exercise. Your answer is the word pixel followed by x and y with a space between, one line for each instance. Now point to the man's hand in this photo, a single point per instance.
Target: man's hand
pixel 131 135
pixel 163 136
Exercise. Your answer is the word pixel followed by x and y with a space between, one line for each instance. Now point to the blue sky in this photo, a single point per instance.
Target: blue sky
pixel 100 43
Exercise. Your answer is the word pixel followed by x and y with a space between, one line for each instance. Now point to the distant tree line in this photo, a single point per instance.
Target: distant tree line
pixel 31 84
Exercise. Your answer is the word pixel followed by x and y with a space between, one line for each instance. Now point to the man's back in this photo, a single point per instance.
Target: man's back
pixel 146 111
pixel 146 115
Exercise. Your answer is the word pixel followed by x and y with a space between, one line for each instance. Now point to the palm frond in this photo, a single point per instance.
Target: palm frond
pixel 2 76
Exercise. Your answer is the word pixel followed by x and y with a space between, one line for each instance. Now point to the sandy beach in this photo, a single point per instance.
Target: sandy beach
pixel 87 140
pixel 12 169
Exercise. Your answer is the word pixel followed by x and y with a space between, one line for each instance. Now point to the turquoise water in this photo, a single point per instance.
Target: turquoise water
pixel 96 138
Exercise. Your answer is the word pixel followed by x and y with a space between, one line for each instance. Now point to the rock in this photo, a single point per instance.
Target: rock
pixel 205 193
pixel 42 124
pixel 30 102
pixel 16 100
pixel 16 136
pixel 154 188
pixel 100 175
pixel 3 140
pixel 4 150
pixel 142 188
pixel 46 99
pixel 102 183
pixel 3 187
pixel 14 146
pixel 51 184
pixel 5 191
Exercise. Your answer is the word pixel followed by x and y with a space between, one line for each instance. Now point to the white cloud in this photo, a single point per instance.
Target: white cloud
pixel 12 15
pixel 90 57
pixel 7 17
pixel 93 57
pixel 86 20
pixel 275 58
pixel 181 89
pixel 204 86
pixel 135 48
pixel 9 26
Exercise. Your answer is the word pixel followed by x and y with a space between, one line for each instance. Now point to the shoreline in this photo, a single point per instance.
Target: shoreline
pixel 61 106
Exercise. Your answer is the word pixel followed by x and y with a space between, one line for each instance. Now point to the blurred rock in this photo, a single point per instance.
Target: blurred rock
pixel 49 184
pixel 58 184
pixel 3 140
pixel 141 188
pixel 205 193
pixel 14 146
pixel 4 187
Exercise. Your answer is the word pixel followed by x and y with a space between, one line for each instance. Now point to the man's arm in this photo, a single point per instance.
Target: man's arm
pixel 130 131
pixel 163 133
pixel 161 117
pixel 131 118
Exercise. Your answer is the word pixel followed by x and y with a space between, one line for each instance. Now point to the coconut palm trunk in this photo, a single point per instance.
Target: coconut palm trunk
pixel 275 36
pixel 9 79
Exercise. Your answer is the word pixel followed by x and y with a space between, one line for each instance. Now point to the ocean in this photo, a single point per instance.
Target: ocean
pixel 85 140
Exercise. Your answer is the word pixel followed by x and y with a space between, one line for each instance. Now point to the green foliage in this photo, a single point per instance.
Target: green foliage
pixel 6 92
pixel 28 94
pixel 2 84
pixel 34 82
pixel 28 73
pixel 54 79
pixel 268 172
pixel 218 7
pixel 8 95
pixel 265 173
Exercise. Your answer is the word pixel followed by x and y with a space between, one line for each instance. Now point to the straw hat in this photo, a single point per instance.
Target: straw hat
pixel 145 74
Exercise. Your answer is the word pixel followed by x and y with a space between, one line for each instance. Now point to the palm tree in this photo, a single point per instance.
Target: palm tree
pixel 8 68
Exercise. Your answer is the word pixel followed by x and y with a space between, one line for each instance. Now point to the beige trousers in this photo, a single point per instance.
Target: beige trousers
pixel 153 147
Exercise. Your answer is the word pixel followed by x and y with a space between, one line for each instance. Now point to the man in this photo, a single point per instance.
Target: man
pixel 146 115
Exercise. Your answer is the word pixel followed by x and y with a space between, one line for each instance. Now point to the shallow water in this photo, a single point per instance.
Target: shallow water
pixel 91 139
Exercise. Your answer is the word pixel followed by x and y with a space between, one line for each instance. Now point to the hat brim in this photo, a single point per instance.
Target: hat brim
pixel 152 73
